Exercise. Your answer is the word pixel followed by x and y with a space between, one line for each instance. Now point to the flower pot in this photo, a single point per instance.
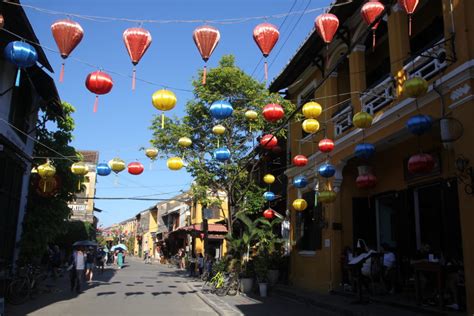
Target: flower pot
pixel 272 276
pixel 246 285
pixel 263 289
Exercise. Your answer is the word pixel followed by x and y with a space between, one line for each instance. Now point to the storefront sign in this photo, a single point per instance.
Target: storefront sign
pixel 77 207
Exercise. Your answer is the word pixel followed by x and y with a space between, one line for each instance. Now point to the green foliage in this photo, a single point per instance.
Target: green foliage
pixel 74 231
pixel 131 244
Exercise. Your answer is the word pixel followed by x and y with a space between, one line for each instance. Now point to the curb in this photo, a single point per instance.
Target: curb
pixel 219 306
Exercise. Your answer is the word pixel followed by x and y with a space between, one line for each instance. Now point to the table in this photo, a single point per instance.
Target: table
pixel 425 266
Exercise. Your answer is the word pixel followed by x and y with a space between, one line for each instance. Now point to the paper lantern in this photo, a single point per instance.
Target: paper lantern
pixel 269 214
pixel 206 39
pixel 421 163
pixel 300 182
pixel 137 40
pixel 410 7
pixel 46 170
pixel 79 168
pixel 415 87
pixel 419 124
pixel 98 82
pixel 266 36
pixel 103 169
pixel 175 163
pixel 48 187
pixel 117 165
pixel 135 168
pixel 364 150
pixel 300 160
pixel 326 25
pixel 362 120
pixel 370 12
pixel 163 100
pixel 269 196
pixel 185 142
pixel 326 196
pixel 273 112
pixel 251 115
pixel 268 141
pixel 269 178
pixel 300 204
pixel 151 153
pixel 221 109
pixel 222 154
pixel 326 145
pixel 312 110
pixel 67 35
pixel 2 21
pixel 218 129
pixel 326 170
pixel 366 181
pixel 277 150
pixel 22 55
pixel 310 126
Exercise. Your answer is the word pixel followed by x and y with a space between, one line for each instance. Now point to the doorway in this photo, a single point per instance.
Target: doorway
pixel 386 212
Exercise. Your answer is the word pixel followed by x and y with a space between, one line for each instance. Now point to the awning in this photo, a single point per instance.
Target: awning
pixel 214 236
pixel 214 228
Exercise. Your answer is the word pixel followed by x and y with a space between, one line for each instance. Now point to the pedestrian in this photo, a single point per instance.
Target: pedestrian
pixel 79 264
pixel 182 261
pixel 200 262
pixel 120 259
pixel 56 261
pixel 100 260
pixel 192 265
pixel 89 264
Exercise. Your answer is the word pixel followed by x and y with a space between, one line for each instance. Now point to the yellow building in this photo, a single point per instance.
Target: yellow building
pixel 403 210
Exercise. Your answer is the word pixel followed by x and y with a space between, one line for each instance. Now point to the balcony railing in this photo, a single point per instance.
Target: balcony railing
pixel 375 99
pixel 342 121
pixel 429 63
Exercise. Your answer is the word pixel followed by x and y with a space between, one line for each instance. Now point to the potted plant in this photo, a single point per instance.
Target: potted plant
pixel 274 264
pixel 261 270
pixel 246 277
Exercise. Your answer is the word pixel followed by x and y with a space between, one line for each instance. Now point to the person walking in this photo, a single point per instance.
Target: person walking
pixel 120 259
pixel 89 265
pixel 79 264
pixel 200 263
pixel 192 265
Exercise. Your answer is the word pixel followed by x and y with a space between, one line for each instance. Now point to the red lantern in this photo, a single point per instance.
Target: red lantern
pixel 300 160
pixel 269 214
pixel 410 7
pixel 326 145
pixel 99 82
pixel 67 34
pixel 326 25
pixel 366 181
pixel 277 150
pixel 273 112
pixel 135 168
pixel 47 187
pixel 370 12
pixel 421 163
pixel 137 40
pixel 268 141
pixel 266 35
pixel 206 39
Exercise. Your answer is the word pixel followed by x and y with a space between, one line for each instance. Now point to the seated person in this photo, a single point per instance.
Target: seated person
pixel 389 268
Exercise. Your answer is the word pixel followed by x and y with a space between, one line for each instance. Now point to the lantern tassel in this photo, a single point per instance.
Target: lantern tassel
pixel 18 77
pixel 409 25
pixel 79 185
pixel 96 103
pixel 61 73
pixel 134 78
pixel 217 142
pixel 44 186
pixel 162 120
pixel 374 40
pixel 265 66
pixel 204 75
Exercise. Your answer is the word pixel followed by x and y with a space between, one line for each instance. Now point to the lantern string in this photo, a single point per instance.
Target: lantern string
pixel 18 77
pixel 134 78
pixel 265 67
pixel 96 103
pixel 204 74
pixel 61 74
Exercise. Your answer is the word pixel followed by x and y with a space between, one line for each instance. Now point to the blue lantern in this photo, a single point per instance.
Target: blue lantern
pixel 300 182
pixel 221 109
pixel 364 150
pixel 22 55
pixel 269 196
pixel 419 124
pixel 222 154
pixel 326 170
pixel 103 169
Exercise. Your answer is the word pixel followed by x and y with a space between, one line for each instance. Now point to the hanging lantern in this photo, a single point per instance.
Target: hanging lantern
pixel 99 82
pixel 79 169
pixel 273 112
pixel 415 87
pixel 269 196
pixel 326 170
pixel 312 110
pixel 370 12
pixel 268 141
pixel 310 126
pixel 117 165
pixel 48 187
pixel 221 109
pixel 206 39
pixel 163 100
pixel 269 178
pixel 364 150
pixel 175 163
pixel 421 163
pixel 300 182
pixel 137 40
pixel 218 129
pixel 251 115
pixel 185 142
pixel 269 214
pixel 151 153
pixel 46 170
pixel 410 7
pixel 419 124
pixel 326 196
pixel 266 36
pixel 135 168
pixel 365 180
pixel 2 21
pixel 300 160
pixel 326 25
pixel 103 169
pixel 300 204
pixel 326 145
pixel 67 35
pixel 22 55
pixel 362 120
pixel 222 154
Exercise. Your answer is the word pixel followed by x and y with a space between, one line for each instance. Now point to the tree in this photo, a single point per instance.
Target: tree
pixel 211 177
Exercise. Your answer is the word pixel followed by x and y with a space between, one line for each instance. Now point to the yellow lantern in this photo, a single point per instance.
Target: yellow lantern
pixel 269 178
pixel 312 110
pixel 362 120
pixel 218 129
pixel 310 126
pixel 185 142
pixel 251 115
pixel 164 100
pixel 117 165
pixel 415 87
pixel 151 153
pixel 79 168
pixel 46 170
pixel 327 196
pixel 300 204
pixel 175 163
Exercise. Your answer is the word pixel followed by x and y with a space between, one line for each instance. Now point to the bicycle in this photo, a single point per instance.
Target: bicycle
pixel 24 285
pixel 230 287
pixel 214 283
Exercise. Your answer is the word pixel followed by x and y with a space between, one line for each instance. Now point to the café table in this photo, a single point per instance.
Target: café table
pixel 425 267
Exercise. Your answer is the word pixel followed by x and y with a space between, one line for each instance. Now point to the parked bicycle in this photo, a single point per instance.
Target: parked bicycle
pixel 231 285
pixel 24 285
pixel 213 283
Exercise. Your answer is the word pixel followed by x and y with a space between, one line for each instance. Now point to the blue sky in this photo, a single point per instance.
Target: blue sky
pixel 121 125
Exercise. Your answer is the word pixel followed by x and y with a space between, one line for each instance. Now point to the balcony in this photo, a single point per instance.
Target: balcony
pixel 342 120
pixel 378 97
pixel 429 63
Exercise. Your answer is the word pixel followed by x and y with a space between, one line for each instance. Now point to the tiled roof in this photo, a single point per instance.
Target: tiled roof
pixel 90 156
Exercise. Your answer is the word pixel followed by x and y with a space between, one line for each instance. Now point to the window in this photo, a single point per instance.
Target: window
pixel 377 61
pixel 427 26
pixel 309 228
pixel 21 106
